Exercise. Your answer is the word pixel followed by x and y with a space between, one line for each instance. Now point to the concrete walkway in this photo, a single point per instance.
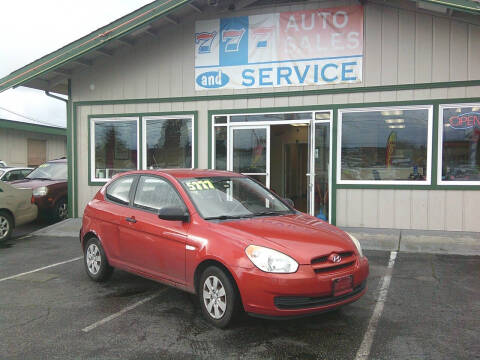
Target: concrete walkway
pixel 416 241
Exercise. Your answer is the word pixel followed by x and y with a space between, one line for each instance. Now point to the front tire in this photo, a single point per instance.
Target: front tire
pixel 61 210
pixel 218 297
pixel 6 226
pixel 95 260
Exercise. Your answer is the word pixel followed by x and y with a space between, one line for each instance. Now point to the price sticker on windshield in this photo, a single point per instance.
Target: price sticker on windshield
pixel 200 185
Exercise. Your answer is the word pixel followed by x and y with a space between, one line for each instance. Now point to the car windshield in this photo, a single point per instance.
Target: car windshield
pixel 235 197
pixel 49 171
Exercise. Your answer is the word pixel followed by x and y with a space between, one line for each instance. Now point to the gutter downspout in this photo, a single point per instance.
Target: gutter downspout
pixel 69 146
pixel 55 96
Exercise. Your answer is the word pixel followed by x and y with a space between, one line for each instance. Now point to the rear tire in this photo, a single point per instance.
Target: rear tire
pixel 95 260
pixel 6 226
pixel 218 296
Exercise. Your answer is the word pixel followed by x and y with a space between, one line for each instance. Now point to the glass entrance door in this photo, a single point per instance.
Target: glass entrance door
pixel 320 170
pixel 250 152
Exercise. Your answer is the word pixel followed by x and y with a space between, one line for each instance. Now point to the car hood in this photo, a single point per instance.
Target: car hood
pixel 300 236
pixel 33 184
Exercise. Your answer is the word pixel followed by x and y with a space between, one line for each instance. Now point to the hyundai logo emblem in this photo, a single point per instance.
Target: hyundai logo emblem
pixel 335 258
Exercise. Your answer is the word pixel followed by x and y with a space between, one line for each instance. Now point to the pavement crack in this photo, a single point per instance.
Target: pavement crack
pixel 45 316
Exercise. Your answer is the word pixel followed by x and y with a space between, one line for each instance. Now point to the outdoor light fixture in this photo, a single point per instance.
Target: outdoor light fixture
pixel 396 126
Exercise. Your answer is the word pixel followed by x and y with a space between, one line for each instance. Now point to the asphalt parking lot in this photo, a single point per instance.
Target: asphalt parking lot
pixel 428 309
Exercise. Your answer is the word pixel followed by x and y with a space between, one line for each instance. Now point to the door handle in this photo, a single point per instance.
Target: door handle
pixel 131 220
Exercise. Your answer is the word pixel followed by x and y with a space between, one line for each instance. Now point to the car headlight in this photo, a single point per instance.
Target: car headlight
pixel 270 260
pixel 40 191
pixel 357 244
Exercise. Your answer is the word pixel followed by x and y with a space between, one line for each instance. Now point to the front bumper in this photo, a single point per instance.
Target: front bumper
pixel 46 205
pixel 301 293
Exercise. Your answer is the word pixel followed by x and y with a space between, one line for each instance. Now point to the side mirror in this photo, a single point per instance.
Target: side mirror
pixel 289 202
pixel 173 214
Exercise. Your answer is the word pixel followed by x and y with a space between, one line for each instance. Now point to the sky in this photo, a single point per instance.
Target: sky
pixel 31 29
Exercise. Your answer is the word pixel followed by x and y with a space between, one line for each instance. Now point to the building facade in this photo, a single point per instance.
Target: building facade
pixel 387 139
pixel 27 144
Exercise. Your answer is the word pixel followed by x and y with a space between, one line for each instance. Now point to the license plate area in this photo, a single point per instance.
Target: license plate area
pixel 343 285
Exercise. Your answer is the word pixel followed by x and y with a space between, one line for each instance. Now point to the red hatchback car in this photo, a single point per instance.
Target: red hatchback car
pixel 224 237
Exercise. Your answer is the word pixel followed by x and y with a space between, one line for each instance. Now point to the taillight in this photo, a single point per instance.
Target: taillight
pixel 32 200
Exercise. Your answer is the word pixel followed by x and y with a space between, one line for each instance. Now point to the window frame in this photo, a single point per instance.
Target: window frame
pixel 427 181
pixel 166 117
pixel 441 182
pixel 93 121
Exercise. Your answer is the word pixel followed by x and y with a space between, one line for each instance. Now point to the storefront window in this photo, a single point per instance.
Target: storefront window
pixel 390 145
pixel 460 134
pixel 115 146
pixel 168 142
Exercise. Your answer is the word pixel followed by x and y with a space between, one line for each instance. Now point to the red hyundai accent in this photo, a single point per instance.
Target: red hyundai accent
pixel 224 237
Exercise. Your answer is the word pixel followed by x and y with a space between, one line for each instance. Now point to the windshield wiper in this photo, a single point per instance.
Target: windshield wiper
pixel 37 178
pixel 268 213
pixel 227 217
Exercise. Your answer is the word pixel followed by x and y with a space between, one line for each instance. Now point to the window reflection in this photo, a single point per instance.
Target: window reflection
pixel 169 143
pixel 115 147
pixel 384 145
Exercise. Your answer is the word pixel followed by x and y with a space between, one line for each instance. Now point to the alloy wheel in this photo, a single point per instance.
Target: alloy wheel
pixel 4 227
pixel 214 297
pixel 94 259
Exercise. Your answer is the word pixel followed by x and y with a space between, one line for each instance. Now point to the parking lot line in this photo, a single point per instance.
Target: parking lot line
pixel 124 310
pixel 364 350
pixel 40 269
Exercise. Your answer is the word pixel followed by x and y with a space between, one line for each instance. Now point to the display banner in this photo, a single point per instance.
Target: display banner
pixel 312 47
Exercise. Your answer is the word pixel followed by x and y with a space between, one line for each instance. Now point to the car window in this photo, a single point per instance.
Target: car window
pixel 119 190
pixel 154 193
pixel 13 175
pixel 26 172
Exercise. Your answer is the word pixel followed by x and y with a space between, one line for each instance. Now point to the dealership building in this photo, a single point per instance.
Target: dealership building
pixel 364 113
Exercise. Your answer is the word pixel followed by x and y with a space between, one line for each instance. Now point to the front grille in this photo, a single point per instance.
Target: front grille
pixel 322 265
pixel 334 268
pixel 303 302
pixel 323 259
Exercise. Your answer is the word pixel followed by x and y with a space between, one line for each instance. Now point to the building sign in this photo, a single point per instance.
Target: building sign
pixel 465 121
pixel 312 47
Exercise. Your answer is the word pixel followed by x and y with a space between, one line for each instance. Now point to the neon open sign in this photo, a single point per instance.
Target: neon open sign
pixel 465 121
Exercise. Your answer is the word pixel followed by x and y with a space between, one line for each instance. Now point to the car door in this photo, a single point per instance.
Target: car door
pixel 149 244
pixel 111 214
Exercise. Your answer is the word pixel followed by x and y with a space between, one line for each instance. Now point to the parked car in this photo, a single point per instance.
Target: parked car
pixel 16 208
pixel 50 188
pixel 14 173
pixel 3 164
pixel 225 238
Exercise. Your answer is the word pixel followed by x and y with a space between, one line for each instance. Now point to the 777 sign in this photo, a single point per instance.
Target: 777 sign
pixel 205 39
pixel 232 39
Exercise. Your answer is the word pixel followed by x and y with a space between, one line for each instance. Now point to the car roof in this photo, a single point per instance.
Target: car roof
pixel 16 168
pixel 61 160
pixel 186 173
